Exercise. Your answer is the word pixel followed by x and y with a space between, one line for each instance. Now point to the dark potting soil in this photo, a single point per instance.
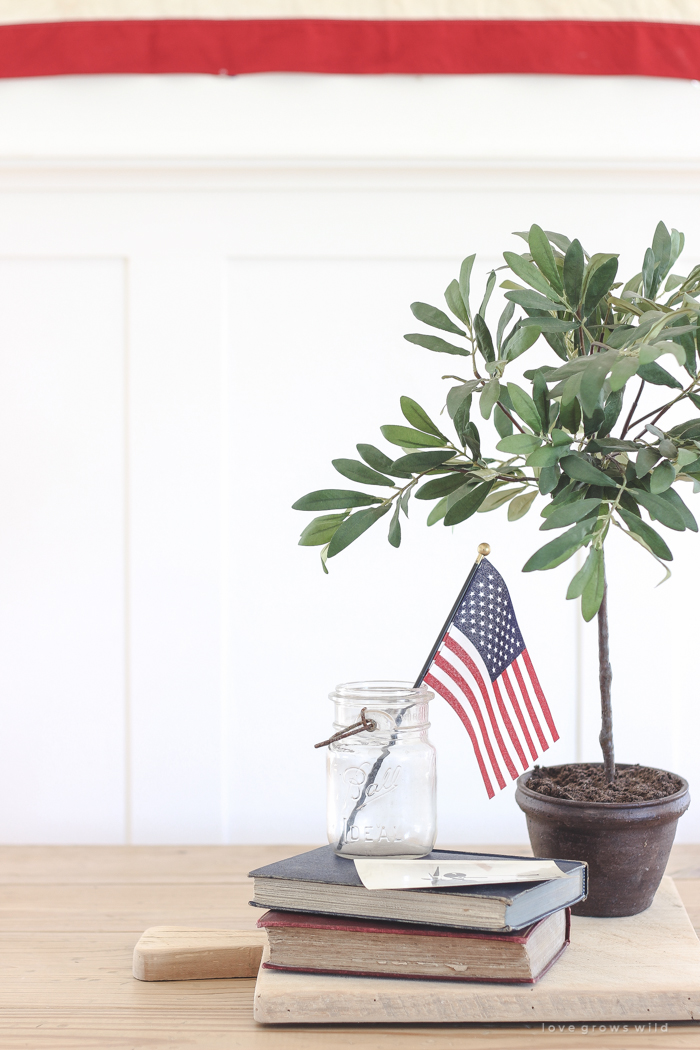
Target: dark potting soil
pixel 585 782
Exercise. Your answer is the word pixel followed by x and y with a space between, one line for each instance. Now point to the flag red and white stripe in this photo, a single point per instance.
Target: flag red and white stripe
pixel 590 37
pixel 484 672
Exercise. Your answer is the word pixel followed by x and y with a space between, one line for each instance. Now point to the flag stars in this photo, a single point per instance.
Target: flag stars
pixel 485 617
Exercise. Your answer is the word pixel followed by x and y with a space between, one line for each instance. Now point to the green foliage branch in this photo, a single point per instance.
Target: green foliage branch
pixel 556 439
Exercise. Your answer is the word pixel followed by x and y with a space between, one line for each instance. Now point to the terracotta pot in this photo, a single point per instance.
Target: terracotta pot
pixel 625 844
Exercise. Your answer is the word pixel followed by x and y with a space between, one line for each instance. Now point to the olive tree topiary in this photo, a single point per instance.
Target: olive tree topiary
pixel 555 440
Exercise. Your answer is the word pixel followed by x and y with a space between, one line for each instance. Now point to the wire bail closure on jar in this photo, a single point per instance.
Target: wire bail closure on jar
pixel 364 725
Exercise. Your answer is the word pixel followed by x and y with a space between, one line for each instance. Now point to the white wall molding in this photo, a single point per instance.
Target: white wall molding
pixel 308 174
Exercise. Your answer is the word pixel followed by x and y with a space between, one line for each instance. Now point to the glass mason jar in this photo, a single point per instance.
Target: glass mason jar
pixel 381 784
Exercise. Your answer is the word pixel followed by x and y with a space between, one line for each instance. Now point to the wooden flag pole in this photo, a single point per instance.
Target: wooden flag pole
pixel 482 551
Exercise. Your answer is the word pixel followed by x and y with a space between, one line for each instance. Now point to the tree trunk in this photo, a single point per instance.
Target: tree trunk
pixel 605 672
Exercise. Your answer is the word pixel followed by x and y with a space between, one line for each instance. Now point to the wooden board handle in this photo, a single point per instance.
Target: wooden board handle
pixel 177 953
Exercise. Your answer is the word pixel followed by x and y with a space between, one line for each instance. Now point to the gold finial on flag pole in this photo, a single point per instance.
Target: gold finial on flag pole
pixel 484 550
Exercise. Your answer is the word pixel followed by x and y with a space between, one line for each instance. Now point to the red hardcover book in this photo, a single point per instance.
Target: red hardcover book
pixel 305 943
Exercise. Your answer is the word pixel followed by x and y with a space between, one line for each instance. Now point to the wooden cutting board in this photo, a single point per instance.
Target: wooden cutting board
pixel 644 969
pixel 177 953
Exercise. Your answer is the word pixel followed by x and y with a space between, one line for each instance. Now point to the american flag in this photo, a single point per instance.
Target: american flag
pixel 483 670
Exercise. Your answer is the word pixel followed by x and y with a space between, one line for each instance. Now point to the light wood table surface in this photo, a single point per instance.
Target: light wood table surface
pixel 70 916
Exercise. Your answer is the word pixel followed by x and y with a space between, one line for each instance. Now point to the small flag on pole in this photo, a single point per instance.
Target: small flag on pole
pixel 481 666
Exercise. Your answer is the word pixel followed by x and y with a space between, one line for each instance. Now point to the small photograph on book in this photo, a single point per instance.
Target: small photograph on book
pixel 390 873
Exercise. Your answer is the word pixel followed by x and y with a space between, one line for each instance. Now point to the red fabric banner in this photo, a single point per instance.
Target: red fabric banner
pixel 350 46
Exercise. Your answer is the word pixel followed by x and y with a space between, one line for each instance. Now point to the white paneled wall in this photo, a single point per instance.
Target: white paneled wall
pixel 204 283
pixel 62 564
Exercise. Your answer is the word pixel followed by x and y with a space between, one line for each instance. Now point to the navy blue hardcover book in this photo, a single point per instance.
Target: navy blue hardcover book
pixel 322 882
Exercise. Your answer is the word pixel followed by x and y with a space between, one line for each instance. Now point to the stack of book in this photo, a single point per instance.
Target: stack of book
pixel 324 920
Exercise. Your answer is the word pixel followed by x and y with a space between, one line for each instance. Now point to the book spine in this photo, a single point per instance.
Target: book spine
pixel 577 900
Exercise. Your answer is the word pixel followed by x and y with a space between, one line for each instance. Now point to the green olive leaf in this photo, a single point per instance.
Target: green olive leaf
pixel 559 550
pixel 592 594
pixel 407 438
pixel 353 527
pixel 489 397
pixel 650 536
pixel 483 339
pixel 662 477
pixel 525 407
pixel 435 318
pixel 468 504
pixel 593 377
pixel 321 530
pixel 570 513
pixel 599 282
pixel 670 496
pixel 646 459
pixel 532 300
pixel 658 376
pixel 417 462
pixel 520 505
pixel 520 340
pixel 623 369
pixel 334 499
pixel 574 265
pixel 438 512
pixel 583 575
pixel 458 394
pixel 395 528
pixel 356 471
pixel 465 272
pixel 660 509
pixel 379 461
pixel 546 456
pixel 453 298
pixel 581 469
pixel 530 274
pixel 437 345
pixel 419 418
pixel 497 499
pixel 519 444
pixel 439 487
pixel 542 253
